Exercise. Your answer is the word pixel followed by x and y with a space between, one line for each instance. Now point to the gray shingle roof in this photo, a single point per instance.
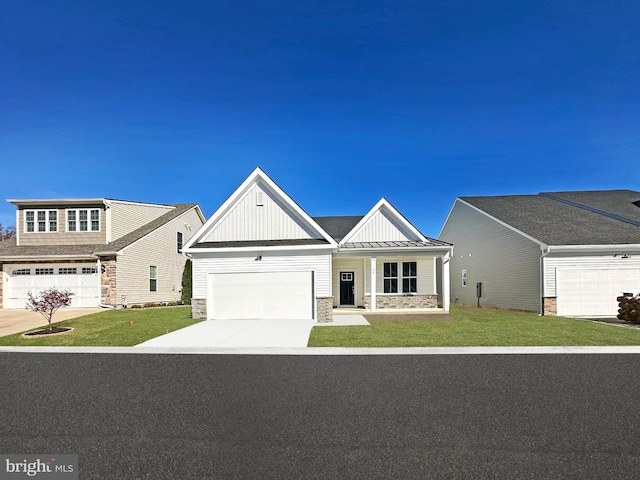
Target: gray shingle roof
pixel 554 222
pixel 9 248
pixel 338 227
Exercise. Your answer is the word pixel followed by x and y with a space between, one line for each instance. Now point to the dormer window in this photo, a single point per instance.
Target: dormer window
pixel 40 221
pixel 83 220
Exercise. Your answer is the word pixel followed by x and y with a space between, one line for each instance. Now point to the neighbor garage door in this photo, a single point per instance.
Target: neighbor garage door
pixel 82 280
pixel 268 295
pixel 593 292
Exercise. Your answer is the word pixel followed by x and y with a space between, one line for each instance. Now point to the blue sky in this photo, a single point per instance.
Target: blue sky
pixel 340 102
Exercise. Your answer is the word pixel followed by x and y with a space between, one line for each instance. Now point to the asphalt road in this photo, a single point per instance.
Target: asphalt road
pixel 299 417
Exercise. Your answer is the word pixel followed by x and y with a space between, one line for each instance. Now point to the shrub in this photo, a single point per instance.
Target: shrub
pixel 187 288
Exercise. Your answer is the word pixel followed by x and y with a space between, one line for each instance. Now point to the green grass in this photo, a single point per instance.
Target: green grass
pixel 477 327
pixel 111 328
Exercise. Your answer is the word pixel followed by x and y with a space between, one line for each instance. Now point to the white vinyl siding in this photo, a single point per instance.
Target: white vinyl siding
pixel 504 261
pixel 555 261
pixel 127 217
pixel 158 249
pixel 382 227
pixel 247 220
pixel 318 262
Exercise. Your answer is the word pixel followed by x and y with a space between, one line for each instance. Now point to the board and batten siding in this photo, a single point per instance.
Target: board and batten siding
pixel 426 274
pixel 259 215
pixel 158 248
pixel 319 262
pixel 381 227
pixel 127 217
pixel 554 261
pixel 62 237
pixel 506 262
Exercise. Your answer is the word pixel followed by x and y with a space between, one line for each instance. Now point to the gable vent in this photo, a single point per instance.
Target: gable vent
pixel 259 201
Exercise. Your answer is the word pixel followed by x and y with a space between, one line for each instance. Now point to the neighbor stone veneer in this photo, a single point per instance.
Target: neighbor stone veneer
pixel 402 301
pixel 109 292
pixel 325 309
pixel 550 306
pixel 199 308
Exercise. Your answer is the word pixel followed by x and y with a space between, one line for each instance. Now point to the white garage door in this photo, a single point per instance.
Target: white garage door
pixel 82 280
pixel 252 295
pixel 593 292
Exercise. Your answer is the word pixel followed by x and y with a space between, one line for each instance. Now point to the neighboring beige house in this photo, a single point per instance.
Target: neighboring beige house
pixel 107 252
pixel 261 256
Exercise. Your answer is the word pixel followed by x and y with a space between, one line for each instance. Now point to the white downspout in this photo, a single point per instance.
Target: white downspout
pixel 373 284
pixel 446 282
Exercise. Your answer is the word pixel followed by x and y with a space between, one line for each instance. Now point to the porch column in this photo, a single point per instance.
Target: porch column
pixel 446 286
pixel 373 284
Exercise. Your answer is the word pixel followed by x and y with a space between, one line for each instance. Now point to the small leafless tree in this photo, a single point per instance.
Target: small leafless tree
pixel 48 301
pixel 7 232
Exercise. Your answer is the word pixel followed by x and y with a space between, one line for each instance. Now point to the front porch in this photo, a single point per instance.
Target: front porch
pixel 404 279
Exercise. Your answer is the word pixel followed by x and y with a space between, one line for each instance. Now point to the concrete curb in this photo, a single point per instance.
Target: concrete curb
pixel 573 350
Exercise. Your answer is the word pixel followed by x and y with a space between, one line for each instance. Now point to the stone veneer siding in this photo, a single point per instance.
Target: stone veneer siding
pixel 550 306
pixel 108 286
pixel 325 310
pixel 199 308
pixel 402 301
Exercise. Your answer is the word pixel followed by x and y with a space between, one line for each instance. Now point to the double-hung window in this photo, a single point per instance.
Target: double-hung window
pixel 83 220
pixel 153 278
pixel 390 277
pixel 179 242
pixel 409 277
pixel 40 221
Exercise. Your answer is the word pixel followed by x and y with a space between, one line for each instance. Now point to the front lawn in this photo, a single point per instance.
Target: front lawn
pixel 477 327
pixel 111 328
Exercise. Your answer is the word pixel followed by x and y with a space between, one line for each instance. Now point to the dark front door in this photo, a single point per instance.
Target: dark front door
pixel 347 287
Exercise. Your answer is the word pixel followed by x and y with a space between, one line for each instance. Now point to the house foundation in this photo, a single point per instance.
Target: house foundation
pixel 402 301
pixel 324 310
pixel 108 285
pixel 550 306
pixel 199 308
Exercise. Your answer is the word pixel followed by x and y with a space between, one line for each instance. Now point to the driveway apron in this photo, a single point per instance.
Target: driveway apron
pixel 238 334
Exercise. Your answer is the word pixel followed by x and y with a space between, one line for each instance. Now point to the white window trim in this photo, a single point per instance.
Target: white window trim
pixel 77 220
pixel 409 277
pixel 47 221
pixel 151 278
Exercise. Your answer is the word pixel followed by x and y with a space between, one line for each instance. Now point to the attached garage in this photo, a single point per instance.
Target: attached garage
pixel 593 292
pixel 261 295
pixel 82 279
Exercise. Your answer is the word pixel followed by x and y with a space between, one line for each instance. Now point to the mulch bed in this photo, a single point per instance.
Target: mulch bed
pixel 409 317
pixel 45 332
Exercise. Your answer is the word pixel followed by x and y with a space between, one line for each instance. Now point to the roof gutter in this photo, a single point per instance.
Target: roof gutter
pixel 621 247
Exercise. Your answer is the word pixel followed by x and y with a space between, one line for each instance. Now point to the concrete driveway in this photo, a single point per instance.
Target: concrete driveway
pixel 16 321
pixel 238 334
